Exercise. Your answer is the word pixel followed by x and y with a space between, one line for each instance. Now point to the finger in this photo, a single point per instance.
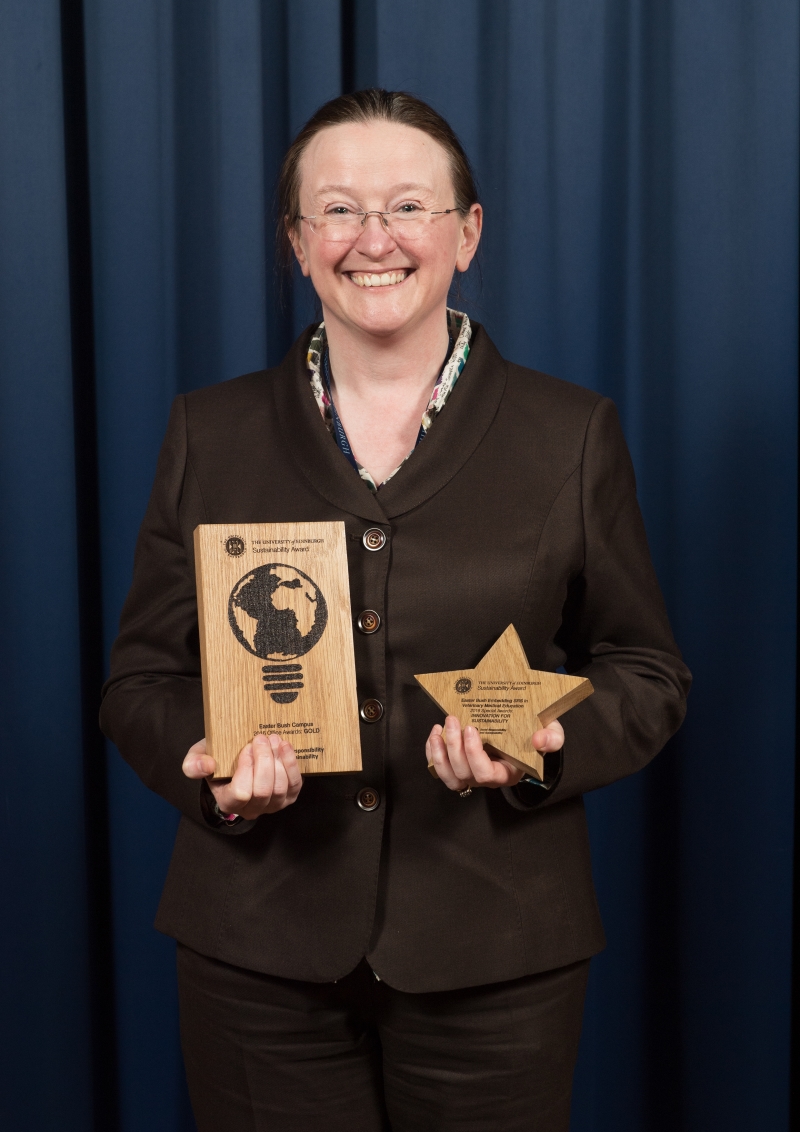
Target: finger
pixel 281 788
pixel 490 770
pixel 281 779
pixel 288 780
pixel 454 742
pixel 511 775
pixel 485 770
pixel 550 738
pixel 429 752
pixel 292 767
pixel 198 765
pixel 436 751
pixel 233 796
pixel 263 771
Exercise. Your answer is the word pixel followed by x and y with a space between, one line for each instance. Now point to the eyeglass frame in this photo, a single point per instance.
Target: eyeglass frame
pixel 375 212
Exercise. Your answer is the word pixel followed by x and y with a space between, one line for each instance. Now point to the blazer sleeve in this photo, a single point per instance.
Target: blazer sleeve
pixel 614 630
pixel 152 706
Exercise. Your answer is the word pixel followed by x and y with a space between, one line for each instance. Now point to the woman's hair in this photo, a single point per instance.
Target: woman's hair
pixel 368 106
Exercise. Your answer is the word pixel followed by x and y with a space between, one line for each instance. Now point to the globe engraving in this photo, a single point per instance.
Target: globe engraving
pixel 277 612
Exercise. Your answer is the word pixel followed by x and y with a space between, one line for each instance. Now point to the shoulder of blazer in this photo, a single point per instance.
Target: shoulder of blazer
pixel 545 421
pixel 554 393
pixel 237 394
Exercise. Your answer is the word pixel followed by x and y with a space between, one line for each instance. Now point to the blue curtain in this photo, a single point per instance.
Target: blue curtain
pixel 638 162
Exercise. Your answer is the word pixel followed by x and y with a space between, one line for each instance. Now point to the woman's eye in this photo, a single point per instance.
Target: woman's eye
pixel 408 208
pixel 339 210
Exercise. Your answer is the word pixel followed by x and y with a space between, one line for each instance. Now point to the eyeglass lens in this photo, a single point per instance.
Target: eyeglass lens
pixel 337 227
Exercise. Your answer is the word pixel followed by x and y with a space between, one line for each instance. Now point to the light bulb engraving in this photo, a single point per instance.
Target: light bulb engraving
pixel 278 613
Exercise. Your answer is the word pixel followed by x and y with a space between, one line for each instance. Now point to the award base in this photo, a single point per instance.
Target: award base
pixel 506 700
pixel 276 642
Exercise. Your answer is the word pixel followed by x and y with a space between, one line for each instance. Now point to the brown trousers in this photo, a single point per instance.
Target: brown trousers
pixel 265 1054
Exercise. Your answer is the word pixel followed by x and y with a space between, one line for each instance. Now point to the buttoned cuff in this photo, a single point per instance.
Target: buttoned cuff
pixel 212 818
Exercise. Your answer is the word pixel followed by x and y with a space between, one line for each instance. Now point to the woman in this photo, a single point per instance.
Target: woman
pixel 390 949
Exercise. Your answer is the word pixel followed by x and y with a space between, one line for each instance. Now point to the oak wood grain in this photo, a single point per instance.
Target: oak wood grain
pixel 506 700
pixel 276 642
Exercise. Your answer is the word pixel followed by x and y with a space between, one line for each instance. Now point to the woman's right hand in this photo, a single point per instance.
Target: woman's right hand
pixel 266 777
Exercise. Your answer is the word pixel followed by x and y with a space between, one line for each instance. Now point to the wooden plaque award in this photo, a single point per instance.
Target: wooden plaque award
pixel 276 642
pixel 506 700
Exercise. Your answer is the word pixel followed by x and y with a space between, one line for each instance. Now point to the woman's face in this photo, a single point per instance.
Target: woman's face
pixel 378 166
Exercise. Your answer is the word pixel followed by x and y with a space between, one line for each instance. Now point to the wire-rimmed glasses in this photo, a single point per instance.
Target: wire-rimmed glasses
pixel 343 224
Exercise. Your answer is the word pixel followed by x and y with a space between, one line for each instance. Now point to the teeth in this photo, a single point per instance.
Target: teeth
pixel 383 280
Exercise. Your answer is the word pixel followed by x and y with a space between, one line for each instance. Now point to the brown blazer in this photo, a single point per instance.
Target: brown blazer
pixel 519 506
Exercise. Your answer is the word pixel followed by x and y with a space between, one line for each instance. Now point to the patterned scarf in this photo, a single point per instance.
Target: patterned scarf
pixel 460 332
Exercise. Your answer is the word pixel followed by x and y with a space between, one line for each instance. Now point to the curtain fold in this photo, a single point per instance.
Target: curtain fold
pixel 638 163
pixel 45 930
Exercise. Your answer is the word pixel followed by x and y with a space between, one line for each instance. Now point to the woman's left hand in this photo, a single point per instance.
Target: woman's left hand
pixel 461 761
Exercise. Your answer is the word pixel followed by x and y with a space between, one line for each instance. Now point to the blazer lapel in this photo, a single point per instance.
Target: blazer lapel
pixel 456 432
pixel 311 445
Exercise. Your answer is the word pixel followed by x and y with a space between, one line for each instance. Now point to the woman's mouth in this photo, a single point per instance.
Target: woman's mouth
pixel 378 279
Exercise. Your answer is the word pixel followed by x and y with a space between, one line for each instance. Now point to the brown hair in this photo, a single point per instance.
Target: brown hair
pixel 368 106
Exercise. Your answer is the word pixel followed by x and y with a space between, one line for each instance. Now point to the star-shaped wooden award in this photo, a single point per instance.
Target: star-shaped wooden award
pixel 506 700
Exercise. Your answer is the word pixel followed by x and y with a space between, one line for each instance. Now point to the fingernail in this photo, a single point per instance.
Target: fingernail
pixel 470 730
pixel 275 742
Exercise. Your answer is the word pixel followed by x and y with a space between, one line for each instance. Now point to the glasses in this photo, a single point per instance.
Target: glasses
pixel 342 225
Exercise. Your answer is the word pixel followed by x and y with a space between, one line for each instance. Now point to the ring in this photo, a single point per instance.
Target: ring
pixel 465 793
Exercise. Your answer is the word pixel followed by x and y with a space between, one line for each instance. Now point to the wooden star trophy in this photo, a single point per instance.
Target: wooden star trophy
pixel 506 700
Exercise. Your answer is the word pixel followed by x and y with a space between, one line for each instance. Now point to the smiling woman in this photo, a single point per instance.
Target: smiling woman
pixel 380 215
pixel 390 950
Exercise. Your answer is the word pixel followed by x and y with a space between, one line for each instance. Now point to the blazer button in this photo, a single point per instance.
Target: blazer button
pixel 374 539
pixel 369 621
pixel 371 711
pixel 368 799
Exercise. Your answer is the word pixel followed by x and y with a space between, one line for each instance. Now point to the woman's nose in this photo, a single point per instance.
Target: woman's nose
pixel 375 237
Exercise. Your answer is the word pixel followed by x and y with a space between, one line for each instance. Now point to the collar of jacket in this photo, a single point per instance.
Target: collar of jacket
pixel 457 432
